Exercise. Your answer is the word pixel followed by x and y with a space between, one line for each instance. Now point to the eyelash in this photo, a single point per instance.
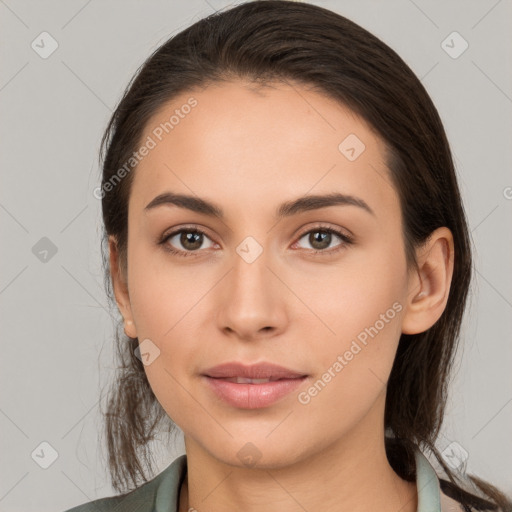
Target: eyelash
pixel 346 240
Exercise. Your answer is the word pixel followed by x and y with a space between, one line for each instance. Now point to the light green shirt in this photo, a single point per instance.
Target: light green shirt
pixel 161 494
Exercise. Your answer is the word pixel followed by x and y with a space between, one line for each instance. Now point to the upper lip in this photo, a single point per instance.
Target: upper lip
pixel 252 371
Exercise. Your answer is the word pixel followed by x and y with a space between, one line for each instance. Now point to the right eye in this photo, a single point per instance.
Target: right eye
pixel 190 239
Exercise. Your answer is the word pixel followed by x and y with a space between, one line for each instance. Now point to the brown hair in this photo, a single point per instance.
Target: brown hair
pixel 273 40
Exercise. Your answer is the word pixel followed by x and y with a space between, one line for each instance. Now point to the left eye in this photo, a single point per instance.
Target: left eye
pixel 321 239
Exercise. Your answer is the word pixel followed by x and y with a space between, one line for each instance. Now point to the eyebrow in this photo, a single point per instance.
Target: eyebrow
pixel 286 209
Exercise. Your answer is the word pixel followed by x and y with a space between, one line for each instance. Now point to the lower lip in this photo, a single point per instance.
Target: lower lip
pixel 252 396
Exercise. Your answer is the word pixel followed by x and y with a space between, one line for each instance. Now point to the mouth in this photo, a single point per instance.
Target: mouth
pixel 252 386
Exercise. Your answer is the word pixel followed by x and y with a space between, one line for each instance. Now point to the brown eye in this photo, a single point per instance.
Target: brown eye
pixel 191 241
pixel 185 241
pixel 320 240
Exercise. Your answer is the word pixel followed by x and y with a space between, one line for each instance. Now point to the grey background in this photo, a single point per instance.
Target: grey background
pixel 56 327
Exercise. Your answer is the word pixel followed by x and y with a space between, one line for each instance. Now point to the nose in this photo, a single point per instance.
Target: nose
pixel 251 302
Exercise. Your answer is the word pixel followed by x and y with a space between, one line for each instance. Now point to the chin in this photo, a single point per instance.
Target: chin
pixel 258 452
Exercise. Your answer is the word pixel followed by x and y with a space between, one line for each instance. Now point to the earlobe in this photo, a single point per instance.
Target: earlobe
pixel 129 329
pixel 120 288
pixel 429 284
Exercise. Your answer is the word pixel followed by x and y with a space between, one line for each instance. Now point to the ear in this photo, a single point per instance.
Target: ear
pixel 429 284
pixel 120 286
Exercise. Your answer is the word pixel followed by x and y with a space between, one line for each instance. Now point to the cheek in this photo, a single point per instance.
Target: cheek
pixel 361 302
pixel 162 293
pixel 167 303
pixel 353 294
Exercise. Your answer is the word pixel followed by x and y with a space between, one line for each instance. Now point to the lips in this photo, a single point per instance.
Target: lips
pixel 252 386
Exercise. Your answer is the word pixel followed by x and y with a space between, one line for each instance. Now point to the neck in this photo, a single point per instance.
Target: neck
pixel 352 474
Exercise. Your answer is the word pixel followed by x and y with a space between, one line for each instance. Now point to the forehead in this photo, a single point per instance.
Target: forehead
pixel 238 143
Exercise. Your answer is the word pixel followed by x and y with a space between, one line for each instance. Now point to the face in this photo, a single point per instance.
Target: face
pixel 317 288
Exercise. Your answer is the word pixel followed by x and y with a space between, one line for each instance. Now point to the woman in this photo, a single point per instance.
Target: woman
pixel 289 252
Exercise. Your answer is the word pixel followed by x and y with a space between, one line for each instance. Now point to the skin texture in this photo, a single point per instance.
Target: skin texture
pixel 248 151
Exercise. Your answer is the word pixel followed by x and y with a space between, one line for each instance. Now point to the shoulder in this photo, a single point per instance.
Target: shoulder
pixel 140 499
pixel 163 488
